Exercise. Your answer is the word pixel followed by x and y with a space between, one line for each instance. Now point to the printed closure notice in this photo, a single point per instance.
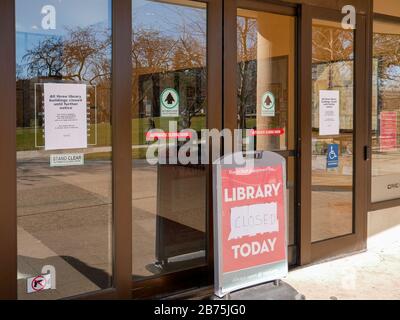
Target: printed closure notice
pixel 329 118
pixel 65 116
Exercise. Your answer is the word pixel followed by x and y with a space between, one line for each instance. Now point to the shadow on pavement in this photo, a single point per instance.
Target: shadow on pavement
pixel 72 275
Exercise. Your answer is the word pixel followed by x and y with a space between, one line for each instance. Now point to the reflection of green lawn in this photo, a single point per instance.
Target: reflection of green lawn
pixel 251 123
pixel 136 154
pixel 26 136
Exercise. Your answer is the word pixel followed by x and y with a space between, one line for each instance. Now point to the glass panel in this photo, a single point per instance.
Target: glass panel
pixel 169 89
pixel 385 122
pixel 63 57
pixel 332 130
pixel 265 78
pixel 266 61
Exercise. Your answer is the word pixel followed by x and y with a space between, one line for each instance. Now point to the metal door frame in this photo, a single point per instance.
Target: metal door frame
pixel 311 252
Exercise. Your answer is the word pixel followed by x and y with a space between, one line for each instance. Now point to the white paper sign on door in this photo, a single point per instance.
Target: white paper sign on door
pixel 65 116
pixel 329 117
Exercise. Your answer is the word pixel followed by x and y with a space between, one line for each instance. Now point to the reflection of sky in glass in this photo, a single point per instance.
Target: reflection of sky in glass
pixel 168 18
pixel 69 13
pixel 386 61
pixel 392 77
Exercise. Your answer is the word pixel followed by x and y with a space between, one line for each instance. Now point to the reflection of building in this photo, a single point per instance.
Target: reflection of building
pixel 190 84
pixel 120 227
pixel 30 112
pixel 25 103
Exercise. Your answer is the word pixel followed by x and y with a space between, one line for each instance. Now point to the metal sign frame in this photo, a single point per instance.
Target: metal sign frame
pixel 262 273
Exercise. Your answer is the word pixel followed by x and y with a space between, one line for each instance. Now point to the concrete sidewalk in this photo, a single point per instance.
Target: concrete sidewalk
pixel 371 275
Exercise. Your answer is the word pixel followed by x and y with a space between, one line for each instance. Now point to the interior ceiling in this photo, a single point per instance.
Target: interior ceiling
pixel 389 7
pixel 386 27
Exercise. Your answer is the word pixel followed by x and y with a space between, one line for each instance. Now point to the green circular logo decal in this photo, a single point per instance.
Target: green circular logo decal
pixel 268 101
pixel 169 98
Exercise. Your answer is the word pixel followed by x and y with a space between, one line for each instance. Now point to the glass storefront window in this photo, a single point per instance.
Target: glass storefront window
pixel 169 50
pixel 63 58
pixel 385 121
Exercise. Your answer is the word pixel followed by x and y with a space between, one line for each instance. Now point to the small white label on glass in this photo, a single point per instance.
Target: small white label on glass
pixel 65 160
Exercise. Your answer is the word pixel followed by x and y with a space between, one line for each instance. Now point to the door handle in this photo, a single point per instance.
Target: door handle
pixel 367 153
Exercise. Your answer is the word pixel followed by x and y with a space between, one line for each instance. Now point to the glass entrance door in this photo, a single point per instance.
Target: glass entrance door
pixel 333 132
pixel 170 97
pixel 64 148
pixel 266 90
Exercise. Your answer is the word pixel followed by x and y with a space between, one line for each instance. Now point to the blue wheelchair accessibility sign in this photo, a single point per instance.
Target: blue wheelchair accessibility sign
pixel 333 156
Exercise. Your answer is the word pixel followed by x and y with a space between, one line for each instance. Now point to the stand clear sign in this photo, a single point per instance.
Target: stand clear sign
pixel 250 235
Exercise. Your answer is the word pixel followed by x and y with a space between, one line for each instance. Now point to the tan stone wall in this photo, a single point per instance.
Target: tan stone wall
pixel 382 220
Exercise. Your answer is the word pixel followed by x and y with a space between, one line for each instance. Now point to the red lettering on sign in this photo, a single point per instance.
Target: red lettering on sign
pixel 168 135
pixel 267 132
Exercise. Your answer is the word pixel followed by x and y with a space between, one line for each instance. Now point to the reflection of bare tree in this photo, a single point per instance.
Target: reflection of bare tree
pixel 191 47
pixel 158 56
pixel 19 71
pixel 332 45
pixel 46 58
pixel 151 51
pixel 247 54
pixel 151 55
pixel 193 79
pixel 332 58
pixel 189 53
pixel 190 57
pixel 387 50
pixel 87 55
pixel 81 55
